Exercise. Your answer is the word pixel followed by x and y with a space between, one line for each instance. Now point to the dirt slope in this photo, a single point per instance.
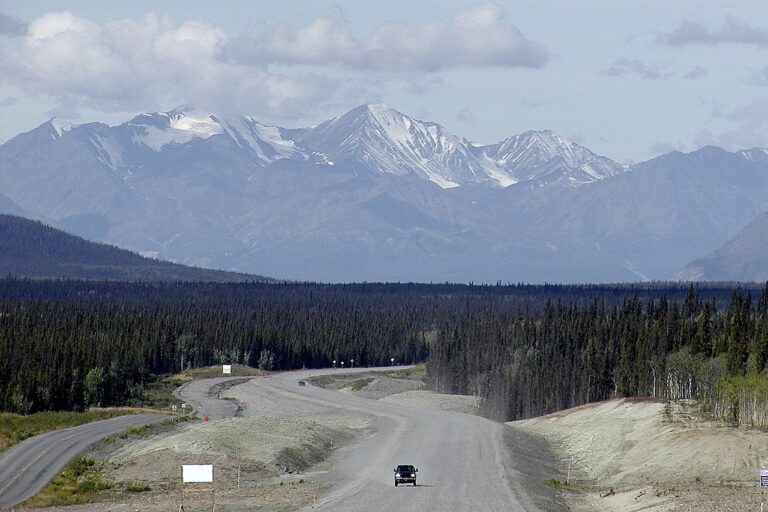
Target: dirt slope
pixel 654 457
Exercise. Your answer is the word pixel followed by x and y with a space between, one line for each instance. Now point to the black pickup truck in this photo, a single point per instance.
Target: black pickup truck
pixel 405 474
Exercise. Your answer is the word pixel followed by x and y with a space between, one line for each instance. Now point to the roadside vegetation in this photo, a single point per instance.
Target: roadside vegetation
pixel 358 384
pixel 15 428
pixel 417 372
pixel 238 370
pixel 80 482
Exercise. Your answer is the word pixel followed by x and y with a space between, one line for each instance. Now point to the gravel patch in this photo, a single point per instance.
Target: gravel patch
pixel 427 399
pixel 382 387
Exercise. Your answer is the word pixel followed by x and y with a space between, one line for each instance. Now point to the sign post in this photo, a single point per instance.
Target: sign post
pixel 763 477
pixel 226 369
pixel 197 474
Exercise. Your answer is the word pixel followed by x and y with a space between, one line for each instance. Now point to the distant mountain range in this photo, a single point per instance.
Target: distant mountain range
pixel 743 258
pixel 377 195
pixel 33 250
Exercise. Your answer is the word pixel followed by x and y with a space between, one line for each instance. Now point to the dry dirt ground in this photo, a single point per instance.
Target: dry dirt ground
pixel 631 456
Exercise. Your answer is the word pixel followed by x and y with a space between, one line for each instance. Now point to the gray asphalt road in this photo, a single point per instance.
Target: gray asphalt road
pixel 466 463
pixel 196 393
pixel 29 466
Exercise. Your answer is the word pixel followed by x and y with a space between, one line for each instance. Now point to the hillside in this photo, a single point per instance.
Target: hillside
pixel 630 455
pixel 743 258
pixel 31 249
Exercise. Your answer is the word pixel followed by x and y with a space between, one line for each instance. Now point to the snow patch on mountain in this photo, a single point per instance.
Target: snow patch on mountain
pixel 266 142
pixel 544 157
pixel 61 126
pixel 110 152
pixel 176 127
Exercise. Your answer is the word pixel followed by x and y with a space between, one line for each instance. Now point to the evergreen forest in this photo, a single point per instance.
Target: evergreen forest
pixel 522 350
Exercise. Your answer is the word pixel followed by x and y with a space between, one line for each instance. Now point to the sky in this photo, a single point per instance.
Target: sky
pixel 630 79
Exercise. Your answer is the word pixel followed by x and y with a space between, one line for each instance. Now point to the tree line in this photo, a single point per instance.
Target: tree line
pixel 524 350
pixel 527 363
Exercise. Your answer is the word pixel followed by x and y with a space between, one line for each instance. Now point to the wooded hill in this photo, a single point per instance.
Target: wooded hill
pixel 31 249
pixel 524 350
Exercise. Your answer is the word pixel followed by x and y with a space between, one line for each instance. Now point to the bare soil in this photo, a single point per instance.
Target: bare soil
pixel 651 456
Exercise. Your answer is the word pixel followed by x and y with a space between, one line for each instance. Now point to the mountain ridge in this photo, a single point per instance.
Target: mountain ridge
pixel 371 195
pixel 31 249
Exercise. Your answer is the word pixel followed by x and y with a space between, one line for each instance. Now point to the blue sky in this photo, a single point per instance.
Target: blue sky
pixel 628 79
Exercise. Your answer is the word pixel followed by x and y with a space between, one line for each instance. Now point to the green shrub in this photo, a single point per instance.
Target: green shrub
pixel 138 487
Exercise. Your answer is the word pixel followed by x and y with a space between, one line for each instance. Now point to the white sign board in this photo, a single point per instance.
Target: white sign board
pixel 763 477
pixel 197 473
pixel 227 369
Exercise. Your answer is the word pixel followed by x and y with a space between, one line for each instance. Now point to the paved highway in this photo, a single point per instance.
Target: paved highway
pixel 29 466
pixel 466 463
pixel 196 393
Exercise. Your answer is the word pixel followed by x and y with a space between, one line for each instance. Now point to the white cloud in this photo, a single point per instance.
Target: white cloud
pixel 476 37
pixel 155 63
pixel 148 63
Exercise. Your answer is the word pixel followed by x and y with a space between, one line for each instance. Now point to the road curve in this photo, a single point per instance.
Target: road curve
pixel 29 466
pixel 197 394
pixel 466 463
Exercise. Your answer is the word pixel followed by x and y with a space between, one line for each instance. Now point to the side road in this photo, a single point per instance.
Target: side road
pixel 197 394
pixel 27 467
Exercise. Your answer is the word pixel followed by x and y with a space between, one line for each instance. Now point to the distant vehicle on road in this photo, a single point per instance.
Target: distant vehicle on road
pixel 302 383
pixel 405 474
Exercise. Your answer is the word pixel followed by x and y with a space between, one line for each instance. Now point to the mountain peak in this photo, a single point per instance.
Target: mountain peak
pixel 544 157
pixel 203 124
pixel 177 126
pixel 380 113
pixel 377 108
pixel 60 126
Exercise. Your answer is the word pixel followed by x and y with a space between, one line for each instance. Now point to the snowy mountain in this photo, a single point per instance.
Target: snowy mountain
pixel 377 195
pixel 378 140
pixel 543 158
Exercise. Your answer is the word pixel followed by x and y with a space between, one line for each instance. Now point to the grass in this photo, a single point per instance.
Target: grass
pixel 357 385
pixel 557 484
pixel 137 487
pixel 417 372
pixel 15 428
pixel 238 370
pixel 148 430
pixel 80 482
pixel 322 380
pixel 135 431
